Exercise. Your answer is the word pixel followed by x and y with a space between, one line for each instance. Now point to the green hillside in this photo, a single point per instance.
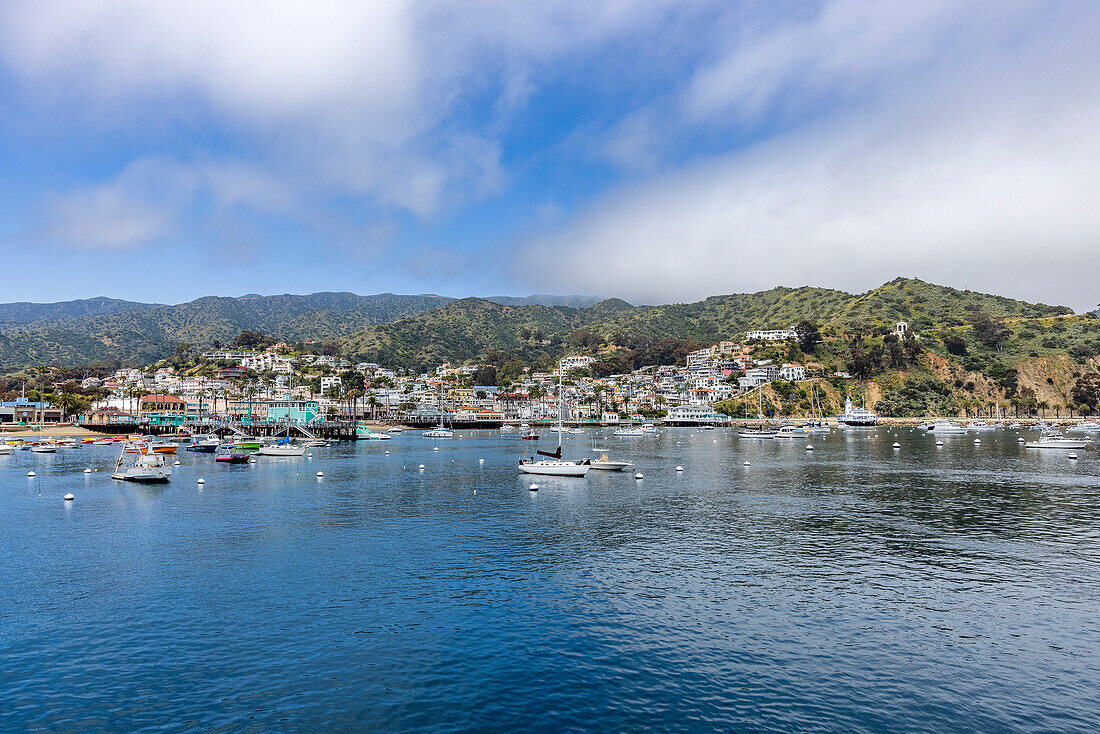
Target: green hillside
pixel 146 333
pixel 467 329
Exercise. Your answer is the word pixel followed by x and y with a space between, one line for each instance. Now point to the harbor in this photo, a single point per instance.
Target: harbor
pixel 762 579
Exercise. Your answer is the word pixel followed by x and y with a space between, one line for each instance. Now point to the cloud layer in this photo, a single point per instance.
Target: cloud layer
pixel 650 149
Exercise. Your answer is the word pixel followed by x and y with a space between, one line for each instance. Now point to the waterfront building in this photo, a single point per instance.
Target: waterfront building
pixel 293 411
pixel 163 410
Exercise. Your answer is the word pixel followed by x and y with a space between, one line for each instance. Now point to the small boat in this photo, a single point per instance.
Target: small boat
pixel 1015 426
pixel 5 449
pixel 151 446
pixel 247 443
pixel 281 449
pixel 439 431
pixel 982 426
pixel 569 430
pixel 395 429
pixel 180 437
pixel 505 428
pixel 605 464
pixel 375 436
pixel 148 467
pixel 530 436
pixel 553 465
pixel 756 433
pixel 1087 426
pixel 45 447
pixel 628 432
pixel 791 432
pixel 648 429
pixel 227 454
pixel 316 444
pixel 947 428
pixel 1052 439
pixel 204 444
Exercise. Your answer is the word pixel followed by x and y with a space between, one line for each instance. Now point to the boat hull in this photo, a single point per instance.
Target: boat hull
pixel 555 468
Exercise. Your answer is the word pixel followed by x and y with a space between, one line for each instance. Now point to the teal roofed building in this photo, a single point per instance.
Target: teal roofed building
pixel 294 411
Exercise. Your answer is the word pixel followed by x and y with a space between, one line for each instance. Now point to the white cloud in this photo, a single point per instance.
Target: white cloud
pixel 979 175
pixel 339 97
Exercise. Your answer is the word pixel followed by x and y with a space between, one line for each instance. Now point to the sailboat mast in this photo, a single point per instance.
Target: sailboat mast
pixel 559 407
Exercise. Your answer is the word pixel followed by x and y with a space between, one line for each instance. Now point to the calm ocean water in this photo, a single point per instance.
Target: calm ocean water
pixel 855 588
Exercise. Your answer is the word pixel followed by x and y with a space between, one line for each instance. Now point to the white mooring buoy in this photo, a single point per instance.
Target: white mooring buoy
pixel 436 449
pixel 69 497
pixel 534 488
pixel 176 462
pixel 88 470
pixel 421 467
pixel 320 474
pixel 1072 455
pixel 897 445
pixel 809 447
pixel 201 481
pixel 481 461
pixel 746 463
pixel 30 474
pixel 977 441
pixel 939 443
pixel 638 476
pixel 386 452
pixel 679 468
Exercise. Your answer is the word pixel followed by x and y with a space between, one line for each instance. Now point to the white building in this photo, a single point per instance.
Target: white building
pixel 774 335
pixel 792 372
pixel 330 382
pixel 578 361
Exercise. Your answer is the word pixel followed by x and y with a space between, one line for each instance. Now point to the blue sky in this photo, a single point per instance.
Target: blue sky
pixel 655 151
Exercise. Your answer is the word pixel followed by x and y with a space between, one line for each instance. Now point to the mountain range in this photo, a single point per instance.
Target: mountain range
pixel 416 331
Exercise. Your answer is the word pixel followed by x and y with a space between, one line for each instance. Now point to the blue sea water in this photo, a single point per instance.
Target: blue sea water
pixel 854 588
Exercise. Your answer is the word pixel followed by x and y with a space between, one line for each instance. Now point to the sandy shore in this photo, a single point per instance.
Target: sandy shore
pixel 61 429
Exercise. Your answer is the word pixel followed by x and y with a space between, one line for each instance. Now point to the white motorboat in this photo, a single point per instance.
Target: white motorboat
pixel 395 429
pixel 628 432
pixel 569 430
pixel 1052 439
pixel 791 432
pixel 506 428
pixel 856 416
pixel 1088 426
pixel 5 449
pixel 44 448
pixel 554 465
pixel 606 464
pixel 281 449
pixel 318 443
pixel 756 433
pixel 148 467
pixel 947 428
pixel 982 426
pixel 439 431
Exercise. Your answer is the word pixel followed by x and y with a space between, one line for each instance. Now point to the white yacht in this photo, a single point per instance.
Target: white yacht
pixel 628 432
pixel 856 416
pixel 947 428
pixel 982 426
pixel 281 449
pixel 148 467
pixel 44 448
pixel 1052 439
pixel 439 431
pixel 1087 426
pixel 791 432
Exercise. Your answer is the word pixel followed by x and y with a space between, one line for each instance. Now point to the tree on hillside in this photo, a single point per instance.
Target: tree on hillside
pixel 1086 390
pixel 808 335
pixel 248 339
pixel 955 345
pixel 990 331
